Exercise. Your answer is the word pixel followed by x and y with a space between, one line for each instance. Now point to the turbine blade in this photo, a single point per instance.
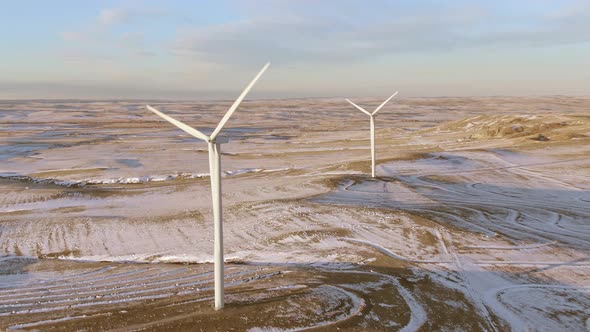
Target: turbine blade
pixel 385 102
pixel 360 108
pixel 188 129
pixel 236 103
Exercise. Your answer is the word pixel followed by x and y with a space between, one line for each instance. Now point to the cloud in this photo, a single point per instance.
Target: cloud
pixel 345 31
pixel 338 44
pixel 292 32
pixel 103 39
pixel 134 42
pixel 72 36
pixel 110 16
pixel 306 38
pixel 119 15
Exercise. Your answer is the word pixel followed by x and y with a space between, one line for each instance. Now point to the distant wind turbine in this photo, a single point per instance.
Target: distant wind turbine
pixel 214 141
pixel 372 116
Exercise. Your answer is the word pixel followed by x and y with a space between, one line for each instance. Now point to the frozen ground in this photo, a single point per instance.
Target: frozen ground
pixel 479 219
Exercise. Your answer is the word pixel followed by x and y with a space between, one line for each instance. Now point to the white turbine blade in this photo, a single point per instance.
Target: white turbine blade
pixel 360 108
pixel 188 129
pixel 385 102
pixel 237 103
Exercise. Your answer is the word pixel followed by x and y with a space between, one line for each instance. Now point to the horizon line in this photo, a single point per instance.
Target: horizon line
pixel 288 98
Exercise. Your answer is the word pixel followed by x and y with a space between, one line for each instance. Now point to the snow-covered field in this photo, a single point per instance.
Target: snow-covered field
pixel 479 218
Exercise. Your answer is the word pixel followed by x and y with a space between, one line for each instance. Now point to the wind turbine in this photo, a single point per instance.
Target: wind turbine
pixel 372 116
pixel 214 141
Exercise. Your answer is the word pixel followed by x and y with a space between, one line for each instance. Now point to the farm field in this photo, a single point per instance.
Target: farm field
pixel 478 219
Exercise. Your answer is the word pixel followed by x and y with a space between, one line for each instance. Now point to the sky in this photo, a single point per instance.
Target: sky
pixel 132 49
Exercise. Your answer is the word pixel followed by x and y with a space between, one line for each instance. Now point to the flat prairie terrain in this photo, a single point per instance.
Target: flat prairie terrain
pixel 478 220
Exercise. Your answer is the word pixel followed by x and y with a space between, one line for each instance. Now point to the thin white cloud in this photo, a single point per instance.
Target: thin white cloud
pixel 134 42
pixel 98 40
pixel 292 32
pixel 110 16
pixel 343 45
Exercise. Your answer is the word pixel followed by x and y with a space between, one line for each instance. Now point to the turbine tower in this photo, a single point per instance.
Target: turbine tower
pixel 214 143
pixel 372 116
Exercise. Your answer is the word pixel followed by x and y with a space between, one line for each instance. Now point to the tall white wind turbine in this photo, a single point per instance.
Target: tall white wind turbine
pixel 372 116
pixel 214 141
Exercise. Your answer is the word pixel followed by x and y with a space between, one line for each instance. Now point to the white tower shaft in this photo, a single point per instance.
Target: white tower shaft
pixel 215 175
pixel 372 145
